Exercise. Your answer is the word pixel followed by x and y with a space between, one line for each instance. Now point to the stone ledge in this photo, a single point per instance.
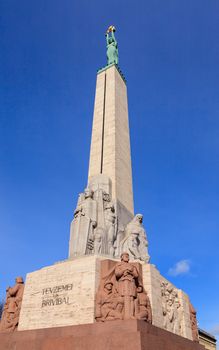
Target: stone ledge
pixel 121 335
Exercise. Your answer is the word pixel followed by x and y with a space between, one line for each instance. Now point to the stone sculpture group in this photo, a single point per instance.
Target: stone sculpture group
pixel 95 229
pixel 121 294
pixel 12 306
pixel 173 313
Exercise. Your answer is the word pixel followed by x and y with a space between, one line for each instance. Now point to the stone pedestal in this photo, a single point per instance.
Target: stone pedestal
pixel 64 294
pixel 60 295
pixel 116 335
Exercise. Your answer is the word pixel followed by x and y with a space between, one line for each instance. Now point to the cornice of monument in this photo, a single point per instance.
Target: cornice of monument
pixel 111 65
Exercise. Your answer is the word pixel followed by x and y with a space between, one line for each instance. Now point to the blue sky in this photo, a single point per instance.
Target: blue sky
pixel 169 54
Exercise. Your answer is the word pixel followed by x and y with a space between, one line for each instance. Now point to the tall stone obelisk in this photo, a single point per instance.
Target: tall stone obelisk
pixel 110 144
pixel 106 206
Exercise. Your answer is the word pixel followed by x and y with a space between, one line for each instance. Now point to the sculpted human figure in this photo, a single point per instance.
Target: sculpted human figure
pixel 170 314
pixel 169 296
pixel 172 309
pixel 11 311
pixel 112 46
pixel 135 241
pixel 127 276
pixel 177 312
pixel 120 232
pixel 109 305
pixel 110 221
pixel 98 234
pixel 85 206
pixel 178 319
pixel 143 306
pixel 85 220
pixel 193 321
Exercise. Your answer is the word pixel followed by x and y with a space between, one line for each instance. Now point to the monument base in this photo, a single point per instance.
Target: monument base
pixel 63 295
pixel 121 335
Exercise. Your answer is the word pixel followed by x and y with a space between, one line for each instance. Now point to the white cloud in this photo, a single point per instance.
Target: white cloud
pixel 182 267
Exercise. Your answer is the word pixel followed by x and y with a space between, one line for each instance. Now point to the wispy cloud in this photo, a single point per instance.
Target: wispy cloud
pixel 215 329
pixel 182 267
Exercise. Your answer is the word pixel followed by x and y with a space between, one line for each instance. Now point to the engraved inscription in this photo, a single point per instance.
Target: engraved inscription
pixel 57 295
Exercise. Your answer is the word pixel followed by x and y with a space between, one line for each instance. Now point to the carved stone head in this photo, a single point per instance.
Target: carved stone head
pixel 139 218
pixel 139 289
pixel 125 257
pixel 19 280
pixel 106 196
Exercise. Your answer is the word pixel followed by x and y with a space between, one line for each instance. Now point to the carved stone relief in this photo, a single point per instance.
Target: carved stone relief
pixel 172 310
pixel 12 306
pixel 121 294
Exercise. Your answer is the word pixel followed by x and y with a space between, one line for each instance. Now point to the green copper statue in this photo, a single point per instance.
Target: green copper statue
pixel 112 46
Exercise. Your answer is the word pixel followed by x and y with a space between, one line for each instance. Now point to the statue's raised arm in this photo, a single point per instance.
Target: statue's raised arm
pixel 112 46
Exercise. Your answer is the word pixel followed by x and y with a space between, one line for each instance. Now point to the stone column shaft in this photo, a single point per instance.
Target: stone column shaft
pixel 110 144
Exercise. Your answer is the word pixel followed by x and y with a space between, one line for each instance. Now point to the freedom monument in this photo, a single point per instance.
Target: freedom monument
pixel 106 295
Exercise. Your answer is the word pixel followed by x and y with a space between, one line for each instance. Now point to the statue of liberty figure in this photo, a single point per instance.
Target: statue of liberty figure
pixel 112 46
